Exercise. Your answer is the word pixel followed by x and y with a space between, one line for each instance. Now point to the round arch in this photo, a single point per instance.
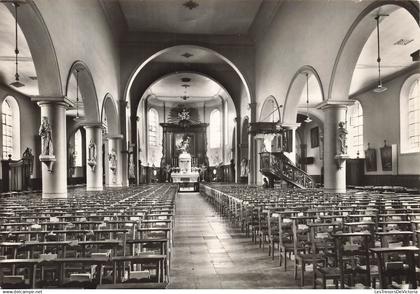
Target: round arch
pixel 87 90
pixel 12 103
pixel 144 63
pixel 294 92
pixel 244 131
pixel 353 43
pixel 42 49
pixel 110 111
pixel 270 108
pixel 229 98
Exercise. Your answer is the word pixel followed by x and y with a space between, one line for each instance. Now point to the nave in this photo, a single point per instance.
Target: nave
pixel 210 252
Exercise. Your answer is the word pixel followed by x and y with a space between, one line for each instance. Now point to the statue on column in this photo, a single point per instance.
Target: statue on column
pixel 92 154
pixel 341 139
pixel 46 137
pixel 244 167
pixel 113 161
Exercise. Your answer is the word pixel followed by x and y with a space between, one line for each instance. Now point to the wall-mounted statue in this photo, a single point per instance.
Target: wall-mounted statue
pixel 46 137
pixel 28 158
pixel 113 161
pixel 92 154
pixel 244 167
pixel 341 139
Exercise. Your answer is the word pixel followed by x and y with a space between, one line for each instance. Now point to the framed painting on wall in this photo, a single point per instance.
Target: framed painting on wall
pixel 370 159
pixel 315 137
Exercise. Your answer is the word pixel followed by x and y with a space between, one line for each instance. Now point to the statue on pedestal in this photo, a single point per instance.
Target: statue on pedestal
pixel 341 139
pixel 244 167
pixel 113 161
pixel 92 154
pixel 46 137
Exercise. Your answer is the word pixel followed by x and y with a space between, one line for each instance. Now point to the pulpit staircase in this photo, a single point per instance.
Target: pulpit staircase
pixel 275 165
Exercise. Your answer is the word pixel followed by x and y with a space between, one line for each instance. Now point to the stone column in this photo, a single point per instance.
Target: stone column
pixel 259 139
pixel 293 127
pixel 123 144
pixel 94 168
pixel 237 149
pixel 54 169
pixel 114 161
pixel 251 147
pixel 334 175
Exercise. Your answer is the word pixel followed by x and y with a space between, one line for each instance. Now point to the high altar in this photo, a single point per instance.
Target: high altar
pixel 184 148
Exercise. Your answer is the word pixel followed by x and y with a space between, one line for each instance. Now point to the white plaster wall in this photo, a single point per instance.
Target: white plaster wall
pixel 29 123
pixel 79 31
pixel 298 36
pixel 384 124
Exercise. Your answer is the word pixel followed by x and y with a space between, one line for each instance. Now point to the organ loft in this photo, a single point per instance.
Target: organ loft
pixel 209 144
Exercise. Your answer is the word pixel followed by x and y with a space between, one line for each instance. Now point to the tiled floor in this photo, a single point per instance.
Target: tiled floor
pixel 210 253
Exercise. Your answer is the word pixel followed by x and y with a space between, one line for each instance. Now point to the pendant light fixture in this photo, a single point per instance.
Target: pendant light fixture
pixel 185 97
pixel 380 88
pixel 77 95
pixel 17 83
pixel 308 119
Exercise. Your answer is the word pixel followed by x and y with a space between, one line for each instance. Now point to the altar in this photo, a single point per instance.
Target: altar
pixel 184 175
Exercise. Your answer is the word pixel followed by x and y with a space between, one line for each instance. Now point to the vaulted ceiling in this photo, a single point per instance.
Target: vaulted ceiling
pixel 213 17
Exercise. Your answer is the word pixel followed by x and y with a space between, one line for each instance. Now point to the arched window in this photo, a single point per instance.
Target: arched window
pixel 154 137
pixel 215 129
pixel 410 115
pixel 153 120
pixel 78 148
pixel 355 129
pixel 414 115
pixel 11 128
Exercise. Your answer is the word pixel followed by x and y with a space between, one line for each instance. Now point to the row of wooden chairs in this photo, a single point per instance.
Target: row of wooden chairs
pixel 115 237
pixel 357 239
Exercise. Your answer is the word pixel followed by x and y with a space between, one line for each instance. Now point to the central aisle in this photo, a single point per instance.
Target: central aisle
pixel 209 253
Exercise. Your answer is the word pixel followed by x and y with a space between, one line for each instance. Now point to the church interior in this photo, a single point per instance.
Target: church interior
pixel 210 144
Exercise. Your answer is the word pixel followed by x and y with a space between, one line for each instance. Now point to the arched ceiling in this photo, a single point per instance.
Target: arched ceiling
pixel 27 70
pixel 191 59
pixel 213 17
pixel 186 88
pixel 399 37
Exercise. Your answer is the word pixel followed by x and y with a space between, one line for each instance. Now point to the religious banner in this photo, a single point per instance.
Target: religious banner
pixel 370 159
pixel 386 157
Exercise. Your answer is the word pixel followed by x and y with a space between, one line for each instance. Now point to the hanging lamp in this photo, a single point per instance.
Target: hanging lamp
pixel 308 119
pixel 17 83
pixel 77 95
pixel 185 97
pixel 380 88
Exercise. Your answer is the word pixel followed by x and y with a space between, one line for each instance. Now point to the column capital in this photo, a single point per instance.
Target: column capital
pixel 52 100
pixel 335 104
pixel 115 137
pixel 93 125
pixel 252 105
pixel 123 103
pixel 290 126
